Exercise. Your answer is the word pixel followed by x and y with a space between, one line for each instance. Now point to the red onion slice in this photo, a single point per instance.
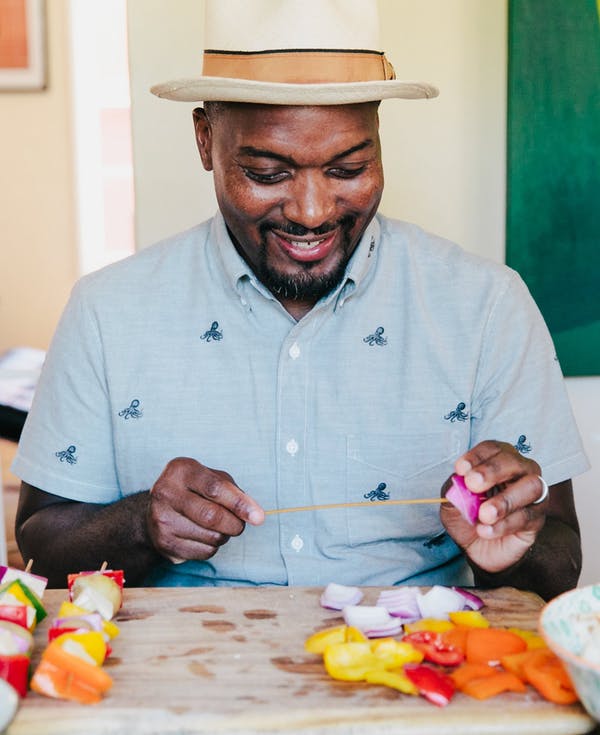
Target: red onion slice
pixel 464 500
pixel 439 601
pixel 338 596
pixel 401 602
pixel 372 620
pixel 471 600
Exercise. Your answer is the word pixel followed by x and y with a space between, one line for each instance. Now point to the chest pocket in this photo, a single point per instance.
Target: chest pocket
pixel 396 467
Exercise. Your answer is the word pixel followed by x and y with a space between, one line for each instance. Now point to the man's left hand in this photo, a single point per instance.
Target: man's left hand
pixel 510 519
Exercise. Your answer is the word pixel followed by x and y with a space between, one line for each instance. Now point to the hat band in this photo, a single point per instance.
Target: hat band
pixel 299 66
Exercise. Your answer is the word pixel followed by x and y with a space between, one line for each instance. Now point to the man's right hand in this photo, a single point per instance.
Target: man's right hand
pixel 193 510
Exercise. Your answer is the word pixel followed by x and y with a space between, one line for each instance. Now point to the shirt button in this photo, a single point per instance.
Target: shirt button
pixel 292 447
pixel 297 543
pixel 294 351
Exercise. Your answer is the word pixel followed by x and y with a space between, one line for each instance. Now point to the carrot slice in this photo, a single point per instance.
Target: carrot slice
pixel 490 686
pixel 81 670
pixel 53 681
pixel 489 645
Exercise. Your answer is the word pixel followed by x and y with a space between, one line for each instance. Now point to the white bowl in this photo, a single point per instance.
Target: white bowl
pixel 9 702
pixel 565 624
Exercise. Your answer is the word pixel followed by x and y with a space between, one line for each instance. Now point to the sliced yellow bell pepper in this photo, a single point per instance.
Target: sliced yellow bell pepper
pixel 68 609
pixel 533 639
pixel 350 661
pixel 355 634
pixel 471 618
pixel 394 654
pixel 435 625
pixel 394 679
pixel 92 642
pixel 317 642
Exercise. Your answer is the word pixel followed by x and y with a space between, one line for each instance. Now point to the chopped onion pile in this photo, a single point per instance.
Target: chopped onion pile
pixel 439 601
pixel 397 606
pixel 401 602
pixel 372 620
pixel 338 596
pixel 472 602
pixel 464 500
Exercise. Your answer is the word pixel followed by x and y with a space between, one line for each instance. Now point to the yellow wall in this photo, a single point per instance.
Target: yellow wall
pixel 38 257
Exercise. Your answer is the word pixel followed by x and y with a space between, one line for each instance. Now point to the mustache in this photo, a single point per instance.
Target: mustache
pixel 296 230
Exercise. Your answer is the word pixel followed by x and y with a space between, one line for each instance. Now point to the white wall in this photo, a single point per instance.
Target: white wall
pixel 444 159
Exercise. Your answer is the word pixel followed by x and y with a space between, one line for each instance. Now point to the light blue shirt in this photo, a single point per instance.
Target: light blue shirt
pixel 421 352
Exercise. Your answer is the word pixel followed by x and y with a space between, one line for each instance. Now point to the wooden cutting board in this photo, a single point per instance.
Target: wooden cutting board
pixel 224 660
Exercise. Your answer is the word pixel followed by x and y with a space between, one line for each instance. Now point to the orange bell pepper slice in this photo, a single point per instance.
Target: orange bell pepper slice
pixel 489 686
pixel 489 645
pixel 457 637
pixel 466 672
pixel 545 671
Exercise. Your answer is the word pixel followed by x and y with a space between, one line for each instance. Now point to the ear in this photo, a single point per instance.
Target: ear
pixel 203 137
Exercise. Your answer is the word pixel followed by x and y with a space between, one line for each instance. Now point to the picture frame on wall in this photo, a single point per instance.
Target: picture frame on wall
pixel 22 45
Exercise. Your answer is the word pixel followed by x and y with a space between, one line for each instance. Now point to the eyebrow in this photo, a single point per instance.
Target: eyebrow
pixel 253 152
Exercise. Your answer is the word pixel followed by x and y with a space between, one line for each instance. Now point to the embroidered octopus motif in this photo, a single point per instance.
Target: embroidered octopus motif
pixel 376 338
pixel 378 494
pixel 67 455
pixel 458 414
pixel 522 446
pixel 436 540
pixel 132 411
pixel 213 333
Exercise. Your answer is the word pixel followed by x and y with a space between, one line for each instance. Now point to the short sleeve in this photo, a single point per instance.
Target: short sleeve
pixel 520 396
pixel 66 447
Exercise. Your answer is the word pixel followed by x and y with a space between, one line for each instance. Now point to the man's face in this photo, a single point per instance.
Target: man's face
pixel 297 187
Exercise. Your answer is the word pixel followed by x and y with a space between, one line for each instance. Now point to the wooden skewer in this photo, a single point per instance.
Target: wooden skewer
pixel 104 565
pixel 29 565
pixel 365 504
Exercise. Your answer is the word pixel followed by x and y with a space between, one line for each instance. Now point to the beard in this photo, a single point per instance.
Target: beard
pixel 305 285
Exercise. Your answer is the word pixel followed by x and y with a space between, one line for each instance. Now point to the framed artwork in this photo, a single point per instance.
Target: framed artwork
pixel 22 48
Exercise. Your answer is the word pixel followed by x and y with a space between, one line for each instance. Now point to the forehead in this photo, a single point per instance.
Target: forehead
pixel 295 129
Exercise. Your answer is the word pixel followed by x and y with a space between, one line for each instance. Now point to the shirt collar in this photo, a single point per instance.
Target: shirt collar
pixel 237 271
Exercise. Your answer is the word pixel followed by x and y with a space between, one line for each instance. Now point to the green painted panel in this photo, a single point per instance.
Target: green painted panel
pixel 553 169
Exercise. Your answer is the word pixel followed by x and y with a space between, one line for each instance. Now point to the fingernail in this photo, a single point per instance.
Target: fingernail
pixel 255 517
pixel 462 466
pixel 474 480
pixel 485 531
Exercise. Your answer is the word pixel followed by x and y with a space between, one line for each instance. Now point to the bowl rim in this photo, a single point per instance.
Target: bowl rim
pixel 559 649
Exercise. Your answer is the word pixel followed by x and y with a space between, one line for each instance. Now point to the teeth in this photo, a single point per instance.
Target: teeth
pixel 302 245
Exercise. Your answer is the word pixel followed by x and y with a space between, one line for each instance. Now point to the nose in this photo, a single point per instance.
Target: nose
pixel 310 201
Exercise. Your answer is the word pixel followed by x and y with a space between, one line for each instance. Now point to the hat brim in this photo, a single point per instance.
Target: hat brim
pixel 222 89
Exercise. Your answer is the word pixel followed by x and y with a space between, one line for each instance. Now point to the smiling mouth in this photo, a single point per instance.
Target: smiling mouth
pixel 305 244
pixel 307 249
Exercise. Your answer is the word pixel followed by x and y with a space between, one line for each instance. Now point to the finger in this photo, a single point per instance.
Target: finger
pixel 526 520
pixel 177 537
pixel 225 493
pixel 518 496
pixel 491 464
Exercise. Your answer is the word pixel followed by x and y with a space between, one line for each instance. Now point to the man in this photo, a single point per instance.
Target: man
pixel 299 350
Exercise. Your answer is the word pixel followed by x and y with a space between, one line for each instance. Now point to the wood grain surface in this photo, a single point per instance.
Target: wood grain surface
pixel 231 660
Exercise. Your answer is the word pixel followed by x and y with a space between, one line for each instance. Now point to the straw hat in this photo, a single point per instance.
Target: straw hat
pixel 293 52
